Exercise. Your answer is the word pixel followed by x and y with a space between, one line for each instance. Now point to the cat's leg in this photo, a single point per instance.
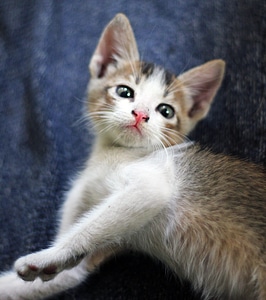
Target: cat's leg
pixel 73 206
pixel 100 256
pixel 13 287
pixel 118 216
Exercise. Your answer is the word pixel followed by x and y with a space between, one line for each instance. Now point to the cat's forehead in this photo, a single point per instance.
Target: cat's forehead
pixel 150 70
pixel 146 75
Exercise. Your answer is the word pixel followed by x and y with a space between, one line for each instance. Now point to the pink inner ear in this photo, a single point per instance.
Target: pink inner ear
pixel 102 65
pixel 204 93
pixel 116 43
pixel 105 52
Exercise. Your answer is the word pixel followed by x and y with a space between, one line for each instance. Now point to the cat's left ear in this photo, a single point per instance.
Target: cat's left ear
pixel 117 43
pixel 202 84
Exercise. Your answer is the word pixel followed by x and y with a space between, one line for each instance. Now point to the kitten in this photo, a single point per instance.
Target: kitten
pixel 201 214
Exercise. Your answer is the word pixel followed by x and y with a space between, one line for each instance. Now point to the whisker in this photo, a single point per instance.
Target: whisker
pixel 117 138
pixel 177 134
pixel 81 100
pixel 82 120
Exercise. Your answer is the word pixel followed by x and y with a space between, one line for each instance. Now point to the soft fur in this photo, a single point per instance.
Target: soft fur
pixel 202 214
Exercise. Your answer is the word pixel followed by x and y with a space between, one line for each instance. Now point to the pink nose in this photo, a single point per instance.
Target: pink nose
pixel 140 116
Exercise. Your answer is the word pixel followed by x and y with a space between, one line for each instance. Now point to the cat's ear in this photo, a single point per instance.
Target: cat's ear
pixel 202 84
pixel 117 43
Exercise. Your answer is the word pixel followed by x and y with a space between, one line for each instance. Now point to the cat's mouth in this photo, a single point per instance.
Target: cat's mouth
pixel 135 128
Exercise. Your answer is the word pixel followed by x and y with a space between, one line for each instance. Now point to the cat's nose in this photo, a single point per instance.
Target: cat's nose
pixel 140 116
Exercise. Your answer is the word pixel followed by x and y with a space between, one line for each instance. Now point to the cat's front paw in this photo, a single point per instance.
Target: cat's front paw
pixel 45 264
pixel 40 264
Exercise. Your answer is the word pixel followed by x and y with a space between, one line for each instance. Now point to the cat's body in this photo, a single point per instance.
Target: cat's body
pixel 202 214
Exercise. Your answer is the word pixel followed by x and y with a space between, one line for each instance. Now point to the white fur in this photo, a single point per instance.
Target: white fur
pixel 144 202
pixel 125 196
pixel 14 288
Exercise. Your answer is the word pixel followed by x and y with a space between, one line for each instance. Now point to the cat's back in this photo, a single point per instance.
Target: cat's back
pixel 218 217
pixel 218 173
pixel 224 191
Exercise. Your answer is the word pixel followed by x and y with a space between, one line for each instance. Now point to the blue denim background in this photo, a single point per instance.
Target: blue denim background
pixel 45 48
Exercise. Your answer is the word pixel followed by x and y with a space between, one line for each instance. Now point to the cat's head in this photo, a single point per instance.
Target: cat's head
pixel 138 104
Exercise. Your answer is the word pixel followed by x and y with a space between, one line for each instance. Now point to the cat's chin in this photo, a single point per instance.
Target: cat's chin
pixel 133 137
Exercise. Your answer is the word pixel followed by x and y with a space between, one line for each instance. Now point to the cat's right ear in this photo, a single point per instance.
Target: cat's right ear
pixel 117 43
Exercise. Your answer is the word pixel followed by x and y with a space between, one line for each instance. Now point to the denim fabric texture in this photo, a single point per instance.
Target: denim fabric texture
pixel 45 48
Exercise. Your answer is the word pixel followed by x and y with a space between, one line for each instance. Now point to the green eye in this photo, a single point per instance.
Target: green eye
pixel 166 110
pixel 125 91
